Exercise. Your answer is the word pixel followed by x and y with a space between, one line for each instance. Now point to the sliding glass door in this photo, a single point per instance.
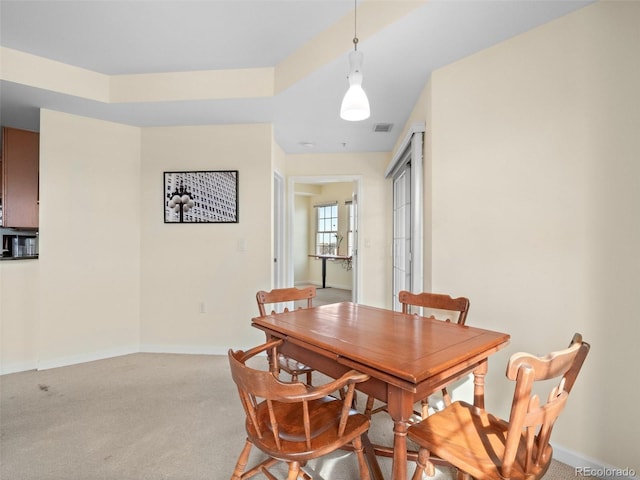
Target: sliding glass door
pixel 401 231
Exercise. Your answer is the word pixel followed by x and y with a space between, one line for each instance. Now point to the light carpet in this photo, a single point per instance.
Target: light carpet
pixel 142 416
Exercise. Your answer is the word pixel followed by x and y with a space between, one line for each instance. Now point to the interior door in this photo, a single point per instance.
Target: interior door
pixel 278 231
pixel 354 253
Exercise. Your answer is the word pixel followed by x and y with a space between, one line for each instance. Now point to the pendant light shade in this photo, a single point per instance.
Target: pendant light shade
pixel 355 104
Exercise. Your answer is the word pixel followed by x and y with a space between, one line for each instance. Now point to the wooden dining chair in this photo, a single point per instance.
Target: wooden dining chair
pixel 293 422
pixel 486 447
pixel 286 295
pixel 432 304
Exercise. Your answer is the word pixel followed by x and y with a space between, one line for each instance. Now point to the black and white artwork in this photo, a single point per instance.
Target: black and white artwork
pixel 201 197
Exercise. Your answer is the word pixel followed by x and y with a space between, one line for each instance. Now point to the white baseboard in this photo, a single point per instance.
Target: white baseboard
pixel 319 285
pixel 110 353
pixel 585 465
pixel 330 285
pixel 18 367
pixel 184 349
pixel 86 357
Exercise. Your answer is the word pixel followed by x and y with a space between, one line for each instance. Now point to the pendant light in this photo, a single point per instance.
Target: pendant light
pixel 355 104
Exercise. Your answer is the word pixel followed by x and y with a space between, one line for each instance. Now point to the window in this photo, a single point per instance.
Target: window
pixel 327 229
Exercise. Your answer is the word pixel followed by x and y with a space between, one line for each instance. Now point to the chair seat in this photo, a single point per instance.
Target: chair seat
pixel 463 433
pixel 323 423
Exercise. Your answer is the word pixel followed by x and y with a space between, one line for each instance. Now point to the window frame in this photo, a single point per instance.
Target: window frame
pixel 326 239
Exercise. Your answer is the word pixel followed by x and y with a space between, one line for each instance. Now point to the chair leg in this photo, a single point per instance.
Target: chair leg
pixel 425 408
pixel 267 473
pixel 446 397
pixel 422 464
pixel 463 475
pixel 370 455
pixel 369 407
pixel 241 464
pixel 294 469
pixel 362 462
pixel 308 378
pixel 304 475
pixel 431 469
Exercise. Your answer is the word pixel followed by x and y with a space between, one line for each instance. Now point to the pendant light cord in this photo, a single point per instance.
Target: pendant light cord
pixel 355 24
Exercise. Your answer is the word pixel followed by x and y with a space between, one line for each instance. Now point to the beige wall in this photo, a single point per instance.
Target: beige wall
pixel 112 278
pixel 300 237
pixel 89 265
pixel 534 151
pixel 218 266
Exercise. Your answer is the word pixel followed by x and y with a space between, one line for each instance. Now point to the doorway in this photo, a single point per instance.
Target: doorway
pixel 300 228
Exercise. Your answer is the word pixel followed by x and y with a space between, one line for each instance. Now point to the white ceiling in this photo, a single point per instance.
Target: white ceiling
pixel 153 36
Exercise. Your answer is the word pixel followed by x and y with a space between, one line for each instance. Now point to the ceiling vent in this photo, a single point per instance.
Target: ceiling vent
pixel 383 127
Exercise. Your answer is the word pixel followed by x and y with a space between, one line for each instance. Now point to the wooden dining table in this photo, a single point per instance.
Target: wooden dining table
pixel 407 357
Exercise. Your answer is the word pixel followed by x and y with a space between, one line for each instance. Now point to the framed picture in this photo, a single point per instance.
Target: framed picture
pixel 201 197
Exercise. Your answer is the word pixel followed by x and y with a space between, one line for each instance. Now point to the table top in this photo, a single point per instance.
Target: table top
pixel 410 347
pixel 330 256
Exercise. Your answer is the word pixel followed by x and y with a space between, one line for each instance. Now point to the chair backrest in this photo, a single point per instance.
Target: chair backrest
pixel 435 301
pixel 282 295
pixel 530 418
pixel 278 412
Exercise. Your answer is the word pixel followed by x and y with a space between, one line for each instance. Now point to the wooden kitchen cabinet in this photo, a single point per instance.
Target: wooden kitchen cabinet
pixel 20 166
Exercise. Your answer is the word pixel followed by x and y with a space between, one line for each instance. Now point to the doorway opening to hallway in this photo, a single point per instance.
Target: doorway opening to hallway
pixel 312 235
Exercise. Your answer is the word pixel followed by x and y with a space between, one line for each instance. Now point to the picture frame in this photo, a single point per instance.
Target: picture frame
pixel 201 196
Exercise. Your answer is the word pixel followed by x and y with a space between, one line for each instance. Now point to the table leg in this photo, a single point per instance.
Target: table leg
pixel 324 271
pixel 478 383
pixel 400 407
pixel 272 357
pixel 399 465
